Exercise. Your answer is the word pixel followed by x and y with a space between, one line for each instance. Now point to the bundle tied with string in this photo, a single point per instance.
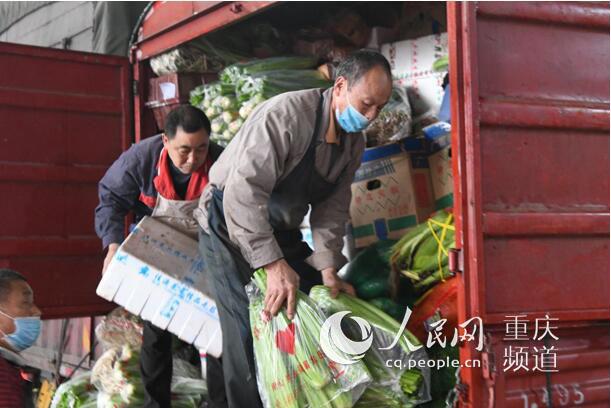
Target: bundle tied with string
pixel 421 255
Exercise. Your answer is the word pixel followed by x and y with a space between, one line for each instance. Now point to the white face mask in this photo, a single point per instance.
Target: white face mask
pixel 351 120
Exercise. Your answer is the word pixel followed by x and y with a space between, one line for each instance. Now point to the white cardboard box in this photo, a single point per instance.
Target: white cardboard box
pixel 411 62
pixel 154 274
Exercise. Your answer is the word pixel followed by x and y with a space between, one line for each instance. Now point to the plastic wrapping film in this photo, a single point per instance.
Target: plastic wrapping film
pixel 292 370
pixel 394 121
pixel 117 377
pixel 400 374
pixel 195 57
pixel 117 374
pixel 119 328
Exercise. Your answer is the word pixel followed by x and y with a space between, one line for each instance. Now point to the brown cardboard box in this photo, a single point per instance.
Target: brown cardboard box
pixel 391 193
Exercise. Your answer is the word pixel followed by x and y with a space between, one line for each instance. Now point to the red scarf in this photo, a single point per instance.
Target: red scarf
pixel 164 185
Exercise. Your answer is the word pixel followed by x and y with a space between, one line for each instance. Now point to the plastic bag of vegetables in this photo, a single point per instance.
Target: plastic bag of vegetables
pixel 117 374
pixel 188 387
pixel 76 393
pixel 408 387
pixel 394 121
pixel 197 56
pixel 292 370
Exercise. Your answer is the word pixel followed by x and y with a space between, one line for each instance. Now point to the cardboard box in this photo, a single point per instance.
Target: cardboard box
pixel 440 163
pixel 391 192
pixel 154 274
pixel 411 62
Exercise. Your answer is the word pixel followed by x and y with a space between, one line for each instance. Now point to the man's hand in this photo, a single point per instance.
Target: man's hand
pixel 112 248
pixel 335 283
pixel 282 286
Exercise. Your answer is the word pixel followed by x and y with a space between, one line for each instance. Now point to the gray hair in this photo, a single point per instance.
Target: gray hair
pixel 359 63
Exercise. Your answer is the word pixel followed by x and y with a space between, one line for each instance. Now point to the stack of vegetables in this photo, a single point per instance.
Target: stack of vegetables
pixel 115 380
pixel 243 86
pixel 116 375
pixel 292 370
pixel 421 255
pixel 391 387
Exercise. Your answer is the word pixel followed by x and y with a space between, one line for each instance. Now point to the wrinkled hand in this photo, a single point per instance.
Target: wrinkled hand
pixel 282 286
pixel 335 283
pixel 112 249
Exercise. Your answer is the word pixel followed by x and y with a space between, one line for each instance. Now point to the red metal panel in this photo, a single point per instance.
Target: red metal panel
pixel 467 291
pixel 170 24
pixel 164 15
pixel 66 116
pixel 582 378
pixel 531 148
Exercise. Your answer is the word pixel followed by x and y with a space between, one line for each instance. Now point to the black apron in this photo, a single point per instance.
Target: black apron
pixel 229 272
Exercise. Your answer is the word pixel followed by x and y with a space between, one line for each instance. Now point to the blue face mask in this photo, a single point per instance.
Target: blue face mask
pixel 351 120
pixel 26 332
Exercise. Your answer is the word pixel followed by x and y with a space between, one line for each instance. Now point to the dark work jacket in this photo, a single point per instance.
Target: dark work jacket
pixel 128 186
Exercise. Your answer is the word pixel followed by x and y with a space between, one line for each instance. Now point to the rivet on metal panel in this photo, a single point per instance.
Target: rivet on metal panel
pixel 236 8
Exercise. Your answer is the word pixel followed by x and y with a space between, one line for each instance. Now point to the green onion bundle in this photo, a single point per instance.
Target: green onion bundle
pixel 233 73
pixel 244 86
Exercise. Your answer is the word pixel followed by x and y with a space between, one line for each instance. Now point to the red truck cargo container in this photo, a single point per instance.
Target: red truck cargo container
pixel 530 142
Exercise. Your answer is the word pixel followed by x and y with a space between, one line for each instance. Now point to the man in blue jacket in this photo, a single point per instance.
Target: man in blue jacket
pixel 163 177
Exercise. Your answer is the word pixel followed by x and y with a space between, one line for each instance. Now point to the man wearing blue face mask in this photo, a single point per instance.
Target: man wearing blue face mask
pixel 297 150
pixel 19 329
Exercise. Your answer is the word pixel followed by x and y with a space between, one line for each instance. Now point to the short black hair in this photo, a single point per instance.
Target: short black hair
pixel 357 64
pixel 187 117
pixel 7 277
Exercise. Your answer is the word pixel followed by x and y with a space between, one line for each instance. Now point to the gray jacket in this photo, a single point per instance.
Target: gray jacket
pixel 267 148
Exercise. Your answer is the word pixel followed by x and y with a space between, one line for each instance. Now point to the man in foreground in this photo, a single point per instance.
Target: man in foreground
pixel 297 150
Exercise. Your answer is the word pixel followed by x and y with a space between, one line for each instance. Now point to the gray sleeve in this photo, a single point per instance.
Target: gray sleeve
pixel 328 221
pixel 258 165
